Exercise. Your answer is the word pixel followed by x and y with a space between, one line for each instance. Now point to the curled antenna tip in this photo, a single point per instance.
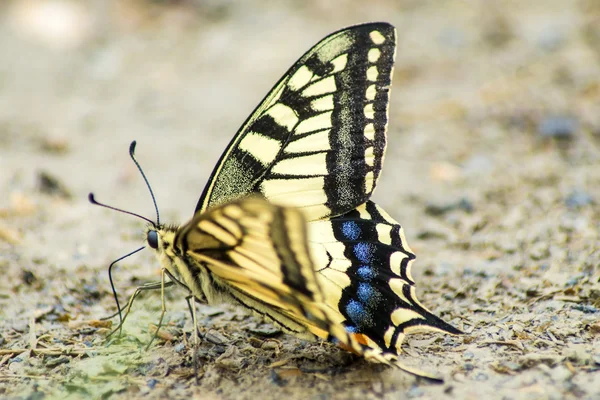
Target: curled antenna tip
pixel 91 198
pixel 132 148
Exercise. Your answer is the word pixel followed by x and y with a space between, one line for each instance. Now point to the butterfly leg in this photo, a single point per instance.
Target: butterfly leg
pixel 163 306
pixel 138 291
pixel 196 337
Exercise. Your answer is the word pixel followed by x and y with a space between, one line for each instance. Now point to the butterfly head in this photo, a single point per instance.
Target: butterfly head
pixel 161 238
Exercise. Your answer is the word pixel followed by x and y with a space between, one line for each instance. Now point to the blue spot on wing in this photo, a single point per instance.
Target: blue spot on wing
pixel 351 230
pixel 351 329
pixel 366 273
pixel 358 315
pixel 364 252
pixel 368 295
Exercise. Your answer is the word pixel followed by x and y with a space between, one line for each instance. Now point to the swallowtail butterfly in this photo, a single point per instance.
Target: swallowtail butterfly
pixel 317 257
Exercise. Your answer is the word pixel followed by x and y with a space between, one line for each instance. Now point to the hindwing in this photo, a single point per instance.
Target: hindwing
pixel 317 140
pixel 365 273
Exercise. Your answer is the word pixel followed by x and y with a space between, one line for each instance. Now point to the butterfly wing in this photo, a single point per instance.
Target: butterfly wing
pixel 367 278
pixel 363 299
pixel 317 140
pixel 259 254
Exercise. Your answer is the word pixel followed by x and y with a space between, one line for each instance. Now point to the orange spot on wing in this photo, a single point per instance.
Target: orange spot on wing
pixel 358 337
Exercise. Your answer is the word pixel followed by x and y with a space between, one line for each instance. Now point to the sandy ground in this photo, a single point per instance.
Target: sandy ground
pixel 493 168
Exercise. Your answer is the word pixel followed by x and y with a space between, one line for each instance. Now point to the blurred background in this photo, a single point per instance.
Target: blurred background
pixel 79 80
pixel 492 164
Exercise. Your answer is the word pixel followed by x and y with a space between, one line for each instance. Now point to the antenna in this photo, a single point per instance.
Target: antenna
pixel 93 200
pixel 132 155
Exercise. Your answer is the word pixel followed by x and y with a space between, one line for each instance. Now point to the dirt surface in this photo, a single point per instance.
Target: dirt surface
pixel 492 167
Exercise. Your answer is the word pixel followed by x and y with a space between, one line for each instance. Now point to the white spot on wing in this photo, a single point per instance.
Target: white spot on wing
pixel 263 148
pixel 339 63
pixel 395 261
pixel 370 131
pixel 316 123
pixel 397 286
pixel 401 315
pixel 384 233
pixel 373 55
pixel 316 142
pixel 300 78
pixel 389 334
pixel 371 92
pixel 362 212
pixel 324 103
pixel 369 182
pixel 369 113
pixel 372 73
pixel 314 164
pixel 407 248
pixel 283 115
pixel 369 157
pixel 377 37
pixel 324 86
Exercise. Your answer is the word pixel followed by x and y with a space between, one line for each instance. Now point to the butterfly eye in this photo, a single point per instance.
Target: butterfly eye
pixel 153 239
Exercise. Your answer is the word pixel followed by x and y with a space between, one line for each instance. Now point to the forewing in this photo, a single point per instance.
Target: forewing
pixel 318 138
pixel 260 253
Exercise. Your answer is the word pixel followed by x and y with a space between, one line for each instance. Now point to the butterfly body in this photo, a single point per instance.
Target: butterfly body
pixel 285 227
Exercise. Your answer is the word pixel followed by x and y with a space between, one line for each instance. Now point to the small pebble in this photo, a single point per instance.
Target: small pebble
pixel 28 277
pixel 560 373
pixel 152 383
pixel 179 347
pixel 573 280
pixel 215 337
pixel 270 345
pixel 587 309
pixel 278 380
pixel 558 127
pixel 481 377
pixel 551 38
pixel 414 391
pixel 511 365
pixel 51 185
pixel 442 208
pixel 578 199
pixel 53 362
pixel 265 330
